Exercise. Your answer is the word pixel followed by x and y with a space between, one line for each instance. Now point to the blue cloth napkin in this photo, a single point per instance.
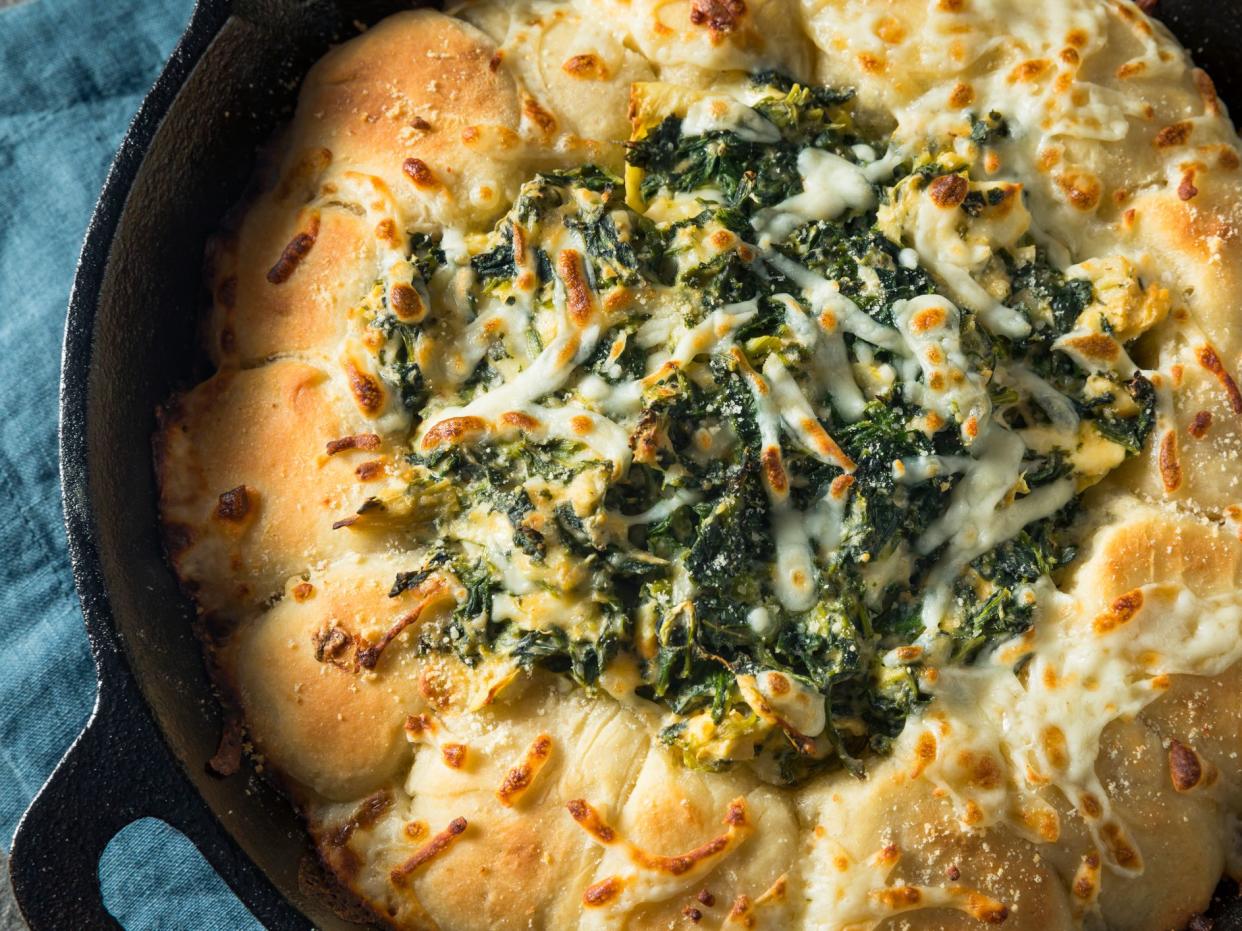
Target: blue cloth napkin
pixel 72 73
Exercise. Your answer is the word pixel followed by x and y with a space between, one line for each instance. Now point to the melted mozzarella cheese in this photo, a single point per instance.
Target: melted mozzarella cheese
pixel 931 327
pixel 973 523
pixel 799 705
pixel 1081 677
pixel 1058 407
pixel 799 418
pixel 831 185
pixel 826 296
pixel 715 114
pixel 850 895
pixel 829 358
pixel 794 575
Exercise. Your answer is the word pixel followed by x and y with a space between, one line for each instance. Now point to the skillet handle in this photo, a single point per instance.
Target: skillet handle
pixel 117 771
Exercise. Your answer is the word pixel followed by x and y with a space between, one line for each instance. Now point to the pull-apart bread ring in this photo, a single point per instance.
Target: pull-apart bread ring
pixel 741 463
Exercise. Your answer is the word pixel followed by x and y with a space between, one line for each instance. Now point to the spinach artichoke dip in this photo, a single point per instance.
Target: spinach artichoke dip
pixel 763 464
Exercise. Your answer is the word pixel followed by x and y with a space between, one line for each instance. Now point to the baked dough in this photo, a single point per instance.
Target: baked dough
pixel 490 430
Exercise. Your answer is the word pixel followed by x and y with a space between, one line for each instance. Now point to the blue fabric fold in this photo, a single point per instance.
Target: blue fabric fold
pixel 72 74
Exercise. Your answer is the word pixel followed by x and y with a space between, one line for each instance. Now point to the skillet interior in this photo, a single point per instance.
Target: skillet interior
pixel 143 346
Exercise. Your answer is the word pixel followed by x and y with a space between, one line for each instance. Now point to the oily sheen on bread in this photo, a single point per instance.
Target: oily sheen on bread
pixel 741 463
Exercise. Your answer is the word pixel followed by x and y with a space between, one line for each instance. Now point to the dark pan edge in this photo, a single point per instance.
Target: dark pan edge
pixel 54 858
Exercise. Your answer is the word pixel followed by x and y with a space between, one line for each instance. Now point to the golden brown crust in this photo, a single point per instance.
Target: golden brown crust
pixel 416 89
pixel 268 300
pixel 227 452
pixel 313 707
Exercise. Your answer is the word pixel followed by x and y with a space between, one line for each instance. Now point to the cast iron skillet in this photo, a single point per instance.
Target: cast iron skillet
pixel 129 341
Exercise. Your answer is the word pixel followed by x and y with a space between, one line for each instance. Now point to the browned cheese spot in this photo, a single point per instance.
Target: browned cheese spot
pixel 720 16
pixel 1170 463
pixel 366 389
pixel 428 851
pixel 1121 611
pixel 930 318
pixel 406 303
pixel 889 29
pixel 1086 884
pixel 303 591
pixel 1031 70
pixel 364 816
pixel 740 913
pixel 840 486
pixel 357 441
pixel 1200 424
pixel 648 437
pixel 452 430
pixel 370 470
pixel 1173 135
pixel 677 865
pixel 234 505
pixel 1080 189
pixel 898 898
pixel 519 243
pixel 1120 847
pixel 602 892
pixel 871 64
pixel 587 67
pixel 493 63
pixel 985 772
pixel 721 240
pixel 578 300
pixel 1207 91
pixel 590 820
pixel 774 470
pixel 539 116
pixel 386 231
pixel 948 191
pixel 430 589
pixel 521 777
pixel 416 725
pixel 332 645
pixel 1089 806
pixel 417 171
pixel 454 755
pixel 1211 361
pixel 299 247
pixel 1186 189
pixel 1098 346
pixel 1185 769
pixel 520 420
pixel 985 909
pixel 924 752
